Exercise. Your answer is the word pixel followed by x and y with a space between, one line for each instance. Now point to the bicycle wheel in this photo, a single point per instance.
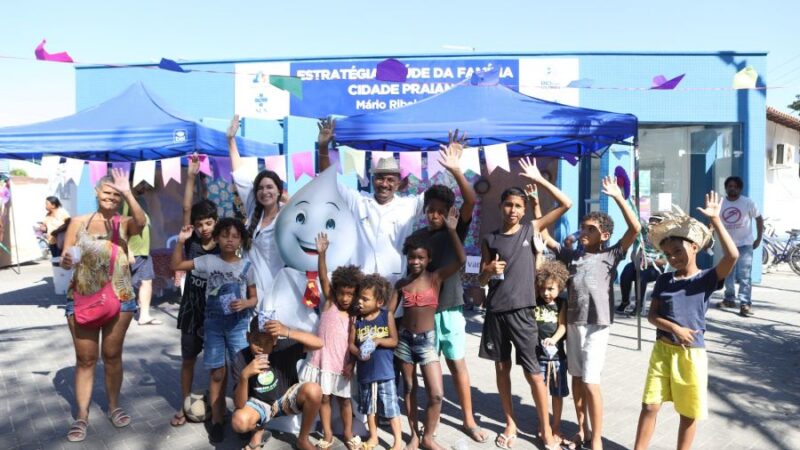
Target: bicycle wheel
pixel 794 259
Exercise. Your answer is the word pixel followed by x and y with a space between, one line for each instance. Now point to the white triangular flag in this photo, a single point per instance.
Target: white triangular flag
pixel 73 170
pixel 352 161
pixel 470 160
pixel 144 171
pixel 496 156
pixel 50 165
pixel 249 167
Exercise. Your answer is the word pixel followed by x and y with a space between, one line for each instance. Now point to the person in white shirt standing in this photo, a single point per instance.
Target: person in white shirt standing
pixel 384 219
pixel 737 216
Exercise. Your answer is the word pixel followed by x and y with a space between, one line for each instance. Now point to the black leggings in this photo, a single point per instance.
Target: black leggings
pixel 629 275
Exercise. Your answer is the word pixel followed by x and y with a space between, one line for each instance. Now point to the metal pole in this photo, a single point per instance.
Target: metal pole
pixel 637 265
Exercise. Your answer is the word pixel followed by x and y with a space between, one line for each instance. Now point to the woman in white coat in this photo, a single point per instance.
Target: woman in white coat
pixel 262 201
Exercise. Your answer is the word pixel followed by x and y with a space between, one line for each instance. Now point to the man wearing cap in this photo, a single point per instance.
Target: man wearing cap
pixel 384 219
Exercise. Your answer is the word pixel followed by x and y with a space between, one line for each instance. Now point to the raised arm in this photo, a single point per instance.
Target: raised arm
pixel 322 269
pixel 729 251
pixel 461 256
pixel 233 149
pixel 611 189
pixel 122 185
pixel 449 157
pixel 188 192
pixel 325 136
pixel 177 262
pixel 309 340
pixel 531 172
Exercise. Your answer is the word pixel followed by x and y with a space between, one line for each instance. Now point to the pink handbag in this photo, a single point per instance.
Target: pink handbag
pixel 96 310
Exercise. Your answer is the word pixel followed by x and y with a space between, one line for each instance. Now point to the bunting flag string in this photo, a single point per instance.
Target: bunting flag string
pixel 347 160
pixel 391 70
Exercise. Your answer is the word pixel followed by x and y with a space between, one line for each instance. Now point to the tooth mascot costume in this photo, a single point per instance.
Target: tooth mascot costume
pixel 295 296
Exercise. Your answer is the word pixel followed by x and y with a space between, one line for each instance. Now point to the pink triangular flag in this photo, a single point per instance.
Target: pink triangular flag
pixel 377 156
pixel 171 170
pixel 205 164
pixel 42 55
pixel 303 163
pixel 433 164
pixel 277 164
pixel 496 156
pixel 411 164
pixel 97 170
pixel 223 166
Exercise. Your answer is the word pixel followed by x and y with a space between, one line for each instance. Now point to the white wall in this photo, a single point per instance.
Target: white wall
pixel 782 188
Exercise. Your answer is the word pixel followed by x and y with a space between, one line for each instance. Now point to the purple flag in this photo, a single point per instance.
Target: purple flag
pixel 42 55
pixel 623 181
pixel 168 64
pixel 660 82
pixel 391 70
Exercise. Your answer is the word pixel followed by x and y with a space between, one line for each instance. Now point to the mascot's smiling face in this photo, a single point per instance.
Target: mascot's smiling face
pixel 316 208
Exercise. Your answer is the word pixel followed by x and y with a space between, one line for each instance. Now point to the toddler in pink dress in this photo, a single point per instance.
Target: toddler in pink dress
pixel 331 366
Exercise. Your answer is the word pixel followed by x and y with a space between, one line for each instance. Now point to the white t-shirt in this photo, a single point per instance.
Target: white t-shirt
pixel 263 253
pixel 737 217
pixel 382 230
pixel 226 281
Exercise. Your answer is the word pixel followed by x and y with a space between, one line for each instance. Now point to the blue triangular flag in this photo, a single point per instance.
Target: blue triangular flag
pixel 168 64
pixel 582 83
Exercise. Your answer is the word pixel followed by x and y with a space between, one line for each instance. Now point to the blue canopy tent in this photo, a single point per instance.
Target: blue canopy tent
pixel 492 114
pixel 133 126
pixel 495 114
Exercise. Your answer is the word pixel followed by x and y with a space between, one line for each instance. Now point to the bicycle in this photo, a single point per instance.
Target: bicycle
pixel 776 251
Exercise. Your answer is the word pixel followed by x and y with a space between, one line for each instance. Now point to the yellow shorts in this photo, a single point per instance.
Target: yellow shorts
pixel 679 375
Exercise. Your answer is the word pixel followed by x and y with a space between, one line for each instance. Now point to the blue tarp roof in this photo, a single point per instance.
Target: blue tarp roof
pixel 489 115
pixel 133 126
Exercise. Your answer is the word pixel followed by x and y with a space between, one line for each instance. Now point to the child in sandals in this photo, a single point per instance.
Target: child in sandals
pixel 419 292
pixel 332 366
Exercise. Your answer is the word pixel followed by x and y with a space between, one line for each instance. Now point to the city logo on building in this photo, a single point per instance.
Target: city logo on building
pixel 179 136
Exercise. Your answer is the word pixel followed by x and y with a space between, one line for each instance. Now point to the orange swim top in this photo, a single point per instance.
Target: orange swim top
pixel 429 297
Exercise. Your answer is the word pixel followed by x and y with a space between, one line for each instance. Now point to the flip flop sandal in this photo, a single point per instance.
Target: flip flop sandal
pixel 77 431
pixel 323 444
pixel 119 418
pixel 505 441
pixel 355 443
pixel 249 446
pixel 474 433
pixel 151 321
pixel 178 419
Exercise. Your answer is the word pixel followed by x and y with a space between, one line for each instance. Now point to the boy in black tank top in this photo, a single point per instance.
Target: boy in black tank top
pixel 507 266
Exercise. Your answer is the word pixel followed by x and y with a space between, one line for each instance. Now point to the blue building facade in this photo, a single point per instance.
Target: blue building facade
pixel 690 139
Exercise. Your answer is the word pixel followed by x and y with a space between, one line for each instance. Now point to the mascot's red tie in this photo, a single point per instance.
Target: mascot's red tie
pixel 311 295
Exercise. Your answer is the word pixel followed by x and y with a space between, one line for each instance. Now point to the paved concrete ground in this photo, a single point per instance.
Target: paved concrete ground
pixel 753 386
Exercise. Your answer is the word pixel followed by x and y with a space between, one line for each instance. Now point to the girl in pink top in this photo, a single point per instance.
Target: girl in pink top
pixel 331 366
pixel 416 345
